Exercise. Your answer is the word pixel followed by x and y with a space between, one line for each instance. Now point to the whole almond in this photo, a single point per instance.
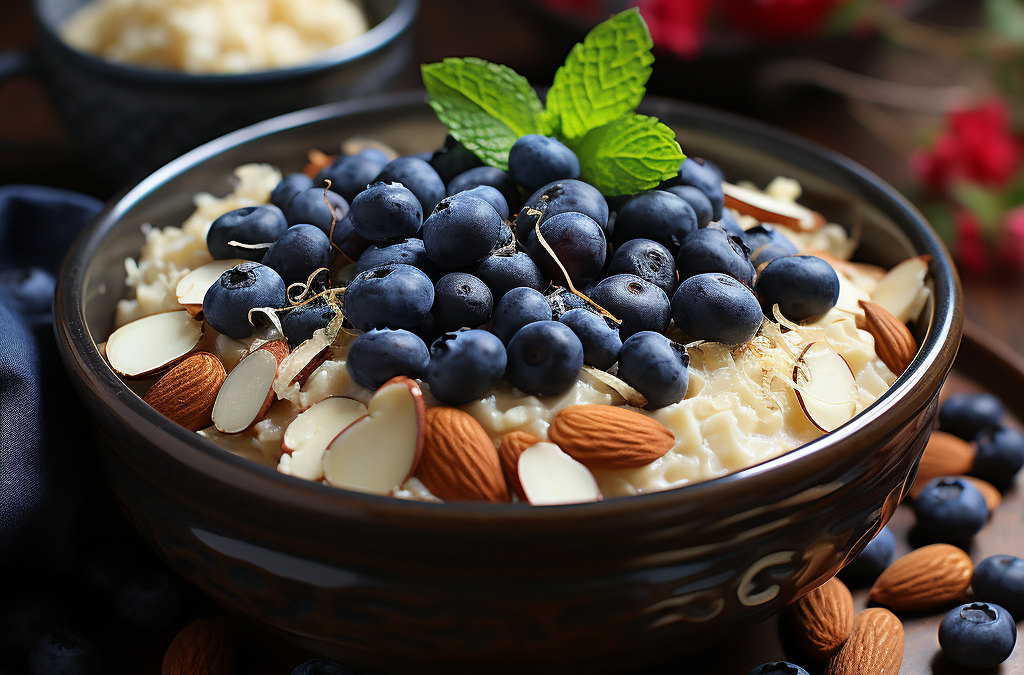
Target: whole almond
pixel 823 619
pixel 894 343
pixel 875 647
pixel 945 455
pixel 459 462
pixel 929 577
pixel 512 445
pixel 186 393
pixel 204 647
pixel 608 437
pixel 991 494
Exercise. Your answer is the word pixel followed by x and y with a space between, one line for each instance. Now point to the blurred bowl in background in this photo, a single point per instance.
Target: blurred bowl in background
pixel 130 120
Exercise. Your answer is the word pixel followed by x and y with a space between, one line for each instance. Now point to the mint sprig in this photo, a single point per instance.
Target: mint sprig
pixel 487 107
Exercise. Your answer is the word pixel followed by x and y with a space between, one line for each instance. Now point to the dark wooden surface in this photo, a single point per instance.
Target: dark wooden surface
pixel 34 148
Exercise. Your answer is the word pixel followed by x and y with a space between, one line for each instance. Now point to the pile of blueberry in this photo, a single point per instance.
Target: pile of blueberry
pixel 527 274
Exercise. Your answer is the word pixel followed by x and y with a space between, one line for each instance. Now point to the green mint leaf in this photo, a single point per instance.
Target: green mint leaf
pixel 485 106
pixel 604 76
pixel 630 154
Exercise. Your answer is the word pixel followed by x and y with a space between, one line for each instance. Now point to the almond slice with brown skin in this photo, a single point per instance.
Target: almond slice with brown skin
pixel 191 288
pixel 301 363
pixel 894 343
pixel 307 437
pixel 608 437
pixel 549 477
pixel 186 392
pixel 931 576
pixel 459 461
pixel 768 209
pixel 247 392
pixel 512 445
pixel 875 647
pixel 826 387
pixel 823 618
pixel 150 344
pixel 944 455
pixel 902 290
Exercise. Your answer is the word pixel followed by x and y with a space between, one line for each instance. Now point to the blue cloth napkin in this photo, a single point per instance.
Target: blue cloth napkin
pixel 37 469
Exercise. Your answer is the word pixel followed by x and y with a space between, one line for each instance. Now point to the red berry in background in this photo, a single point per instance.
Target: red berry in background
pixel 778 18
pixel 1011 240
pixel 969 247
pixel 677 25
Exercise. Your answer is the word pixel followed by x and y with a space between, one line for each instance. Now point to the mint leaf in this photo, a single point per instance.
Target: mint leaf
pixel 485 106
pixel 604 76
pixel 630 154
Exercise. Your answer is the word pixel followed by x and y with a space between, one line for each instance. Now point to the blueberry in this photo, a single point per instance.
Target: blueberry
pixel 407 252
pixel 347 241
pixel 63 652
pixel 766 244
pixel 386 211
pixel 562 300
pixel 301 321
pixel 299 252
pixel 562 196
pixel 324 667
pixel 30 289
pixel 728 223
pixel 493 197
pixel 465 366
pixel 461 232
pixel 697 200
pixel 872 561
pixel 579 243
pixel 544 358
pixel 717 308
pixel 416 175
pixel 489 176
pixel 1000 455
pixel 656 367
pixel 601 341
pixel 452 159
pixel 714 250
pixel 977 635
pixel 536 160
pixel 290 185
pixel 350 174
pixel 25 617
pixel 461 301
pixel 950 510
pixel 243 287
pixel 316 206
pixel 705 179
pixel 390 296
pixel 518 307
pixel 967 414
pixel 637 303
pixel 506 241
pixel 250 225
pixel 657 215
pixel 378 355
pixel 1000 578
pixel 151 601
pixel 503 272
pixel 803 286
pixel 778 668
pixel 646 259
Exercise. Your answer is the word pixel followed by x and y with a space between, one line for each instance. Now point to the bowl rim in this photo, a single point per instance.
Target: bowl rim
pixel 397 22
pixel 931 365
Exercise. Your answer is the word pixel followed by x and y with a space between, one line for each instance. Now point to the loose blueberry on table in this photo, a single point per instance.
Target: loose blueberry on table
pixel 518 277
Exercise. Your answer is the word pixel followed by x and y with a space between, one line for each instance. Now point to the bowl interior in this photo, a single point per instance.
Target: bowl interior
pixel 889 228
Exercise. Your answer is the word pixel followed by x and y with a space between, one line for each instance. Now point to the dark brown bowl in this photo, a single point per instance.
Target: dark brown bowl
pixel 410 587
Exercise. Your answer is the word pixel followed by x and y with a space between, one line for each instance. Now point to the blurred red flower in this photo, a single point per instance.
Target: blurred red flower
pixel 677 25
pixel 976 145
pixel 778 18
pixel 969 247
pixel 1011 242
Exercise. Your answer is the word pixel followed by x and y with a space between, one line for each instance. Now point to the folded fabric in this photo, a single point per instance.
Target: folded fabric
pixel 37 225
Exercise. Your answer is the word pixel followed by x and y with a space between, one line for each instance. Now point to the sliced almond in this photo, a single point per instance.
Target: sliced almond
pixel 608 437
pixel 512 445
pixel 768 209
pixel 902 290
pixel 301 362
pixel 318 161
pixel 875 647
pixel 186 392
pixel 823 618
pixel 309 434
pixel 929 577
pixel 894 343
pixel 459 461
pixel 826 387
pixel 247 393
pixel 379 451
pixel 549 476
pixel 191 288
pixel 855 271
pixel 152 343
pixel 944 455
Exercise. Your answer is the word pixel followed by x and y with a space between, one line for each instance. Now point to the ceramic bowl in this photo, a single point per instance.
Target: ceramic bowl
pixel 408 587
